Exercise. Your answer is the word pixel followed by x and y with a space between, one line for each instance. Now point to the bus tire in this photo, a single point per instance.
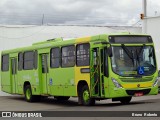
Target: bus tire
pixel 28 95
pixel 125 100
pixel 85 96
pixel 62 98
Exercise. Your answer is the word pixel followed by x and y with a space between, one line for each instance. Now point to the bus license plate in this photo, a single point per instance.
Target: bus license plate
pixel 139 94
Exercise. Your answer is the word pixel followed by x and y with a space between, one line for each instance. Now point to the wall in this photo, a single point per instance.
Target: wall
pixel 13 36
pixel 151 25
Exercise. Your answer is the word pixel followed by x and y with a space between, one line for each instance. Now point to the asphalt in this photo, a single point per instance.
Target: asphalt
pixel 144 103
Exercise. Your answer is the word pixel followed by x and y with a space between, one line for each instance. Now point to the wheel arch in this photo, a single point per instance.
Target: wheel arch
pixel 25 84
pixel 80 84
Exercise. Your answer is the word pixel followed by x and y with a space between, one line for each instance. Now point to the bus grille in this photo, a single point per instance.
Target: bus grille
pixel 132 92
pixel 136 79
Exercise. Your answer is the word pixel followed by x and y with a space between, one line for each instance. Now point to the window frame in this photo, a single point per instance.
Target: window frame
pixel 20 67
pixel 35 59
pixel 33 67
pixel 2 63
pixel 68 56
pixel 83 55
pixel 59 57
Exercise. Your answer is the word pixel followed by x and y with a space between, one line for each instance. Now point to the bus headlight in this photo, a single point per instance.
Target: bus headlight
pixel 116 83
pixel 155 82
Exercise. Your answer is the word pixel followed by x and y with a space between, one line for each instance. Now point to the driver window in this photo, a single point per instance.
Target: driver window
pixel 146 54
pixel 120 58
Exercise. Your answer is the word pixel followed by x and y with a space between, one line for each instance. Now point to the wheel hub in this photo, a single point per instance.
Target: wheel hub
pixel 28 94
pixel 86 96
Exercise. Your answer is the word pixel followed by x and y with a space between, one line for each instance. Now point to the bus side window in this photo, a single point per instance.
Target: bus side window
pixel 20 61
pixel 55 57
pixel 28 60
pixel 5 62
pixel 82 58
pixel 68 56
pixel 35 59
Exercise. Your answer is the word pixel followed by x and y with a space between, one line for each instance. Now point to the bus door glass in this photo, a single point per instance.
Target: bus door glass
pixel 44 59
pixel 95 70
pixel 14 75
pixel 102 70
pixel 98 71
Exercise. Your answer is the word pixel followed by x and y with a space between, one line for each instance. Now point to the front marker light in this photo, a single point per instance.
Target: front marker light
pixel 116 83
pixel 155 82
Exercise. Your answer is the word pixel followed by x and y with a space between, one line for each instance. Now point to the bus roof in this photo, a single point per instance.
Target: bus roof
pixel 60 42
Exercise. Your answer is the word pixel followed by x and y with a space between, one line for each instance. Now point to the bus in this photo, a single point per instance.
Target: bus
pixel 106 66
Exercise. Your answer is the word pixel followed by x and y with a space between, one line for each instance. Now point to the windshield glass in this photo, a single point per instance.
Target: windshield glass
pixel 133 60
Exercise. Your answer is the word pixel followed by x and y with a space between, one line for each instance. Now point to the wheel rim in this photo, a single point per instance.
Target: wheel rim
pixel 86 96
pixel 28 94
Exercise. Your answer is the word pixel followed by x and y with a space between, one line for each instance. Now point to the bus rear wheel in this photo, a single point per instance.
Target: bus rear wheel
pixel 85 96
pixel 125 100
pixel 28 95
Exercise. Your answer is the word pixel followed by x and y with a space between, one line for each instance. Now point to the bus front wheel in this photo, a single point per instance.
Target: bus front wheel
pixel 85 96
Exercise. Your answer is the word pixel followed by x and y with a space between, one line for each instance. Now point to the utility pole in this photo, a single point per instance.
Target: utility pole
pixel 144 6
pixel 43 19
pixel 144 16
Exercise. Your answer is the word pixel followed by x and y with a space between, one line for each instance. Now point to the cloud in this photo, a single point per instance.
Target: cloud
pixel 100 12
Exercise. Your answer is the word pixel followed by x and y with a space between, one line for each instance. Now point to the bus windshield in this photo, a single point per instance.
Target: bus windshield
pixel 133 60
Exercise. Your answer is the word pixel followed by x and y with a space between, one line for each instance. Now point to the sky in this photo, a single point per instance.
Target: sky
pixel 75 12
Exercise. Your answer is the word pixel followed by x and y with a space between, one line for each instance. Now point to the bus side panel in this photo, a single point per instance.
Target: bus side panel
pixel 78 69
pixel 82 76
pixel 30 76
pixel 6 82
pixel 20 82
pixel 69 81
pixel 55 82
pixel 61 82
pixel 35 84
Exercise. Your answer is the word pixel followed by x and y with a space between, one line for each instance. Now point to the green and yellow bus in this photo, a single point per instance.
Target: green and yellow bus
pixel 107 66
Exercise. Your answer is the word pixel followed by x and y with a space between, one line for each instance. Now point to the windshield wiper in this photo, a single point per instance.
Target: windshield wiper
pixel 130 55
pixel 150 52
pixel 140 51
pixel 127 51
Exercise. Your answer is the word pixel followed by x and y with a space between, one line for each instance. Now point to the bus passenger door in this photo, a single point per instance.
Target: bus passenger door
pixel 14 75
pixel 103 68
pixel 44 63
pixel 97 77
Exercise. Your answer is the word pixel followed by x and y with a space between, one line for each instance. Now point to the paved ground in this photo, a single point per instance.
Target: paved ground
pixel 16 103
pixel 144 103
pixel 4 94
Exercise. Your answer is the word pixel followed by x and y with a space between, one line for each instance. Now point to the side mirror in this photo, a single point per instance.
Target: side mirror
pixel 109 51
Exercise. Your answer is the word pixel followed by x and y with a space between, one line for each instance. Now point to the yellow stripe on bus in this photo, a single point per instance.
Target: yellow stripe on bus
pixel 137 85
pixel 83 40
pixel 81 76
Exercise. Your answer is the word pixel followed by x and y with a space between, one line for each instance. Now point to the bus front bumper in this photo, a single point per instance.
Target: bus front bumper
pixel 122 92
